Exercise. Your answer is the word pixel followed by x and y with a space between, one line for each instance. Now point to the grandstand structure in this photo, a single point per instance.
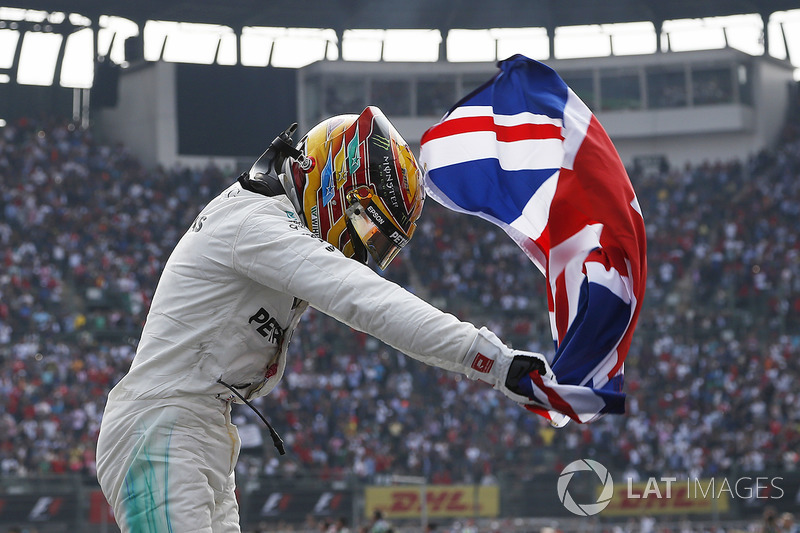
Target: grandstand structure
pixel 681 106
pixel 89 215
pixel 678 106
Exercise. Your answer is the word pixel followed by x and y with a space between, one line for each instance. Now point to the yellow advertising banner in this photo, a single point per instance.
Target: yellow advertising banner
pixel 440 501
pixel 670 496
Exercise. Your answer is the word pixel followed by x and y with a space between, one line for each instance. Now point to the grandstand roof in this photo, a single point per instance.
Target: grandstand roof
pixel 392 14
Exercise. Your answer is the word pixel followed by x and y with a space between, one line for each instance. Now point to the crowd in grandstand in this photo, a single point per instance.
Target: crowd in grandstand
pixel 85 229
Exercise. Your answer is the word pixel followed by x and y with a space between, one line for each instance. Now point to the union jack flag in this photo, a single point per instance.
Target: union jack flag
pixel 524 152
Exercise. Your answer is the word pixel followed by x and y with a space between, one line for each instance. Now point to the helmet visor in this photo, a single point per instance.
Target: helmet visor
pixel 375 226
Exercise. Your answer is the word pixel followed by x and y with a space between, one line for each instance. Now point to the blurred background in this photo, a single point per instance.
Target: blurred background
pixel 120 120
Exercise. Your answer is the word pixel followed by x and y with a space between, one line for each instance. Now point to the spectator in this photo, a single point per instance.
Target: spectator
pixel 85 229
pixel 379 523
pixel 786 523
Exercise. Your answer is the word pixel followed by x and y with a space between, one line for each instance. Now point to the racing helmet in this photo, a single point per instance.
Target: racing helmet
pixel 359 185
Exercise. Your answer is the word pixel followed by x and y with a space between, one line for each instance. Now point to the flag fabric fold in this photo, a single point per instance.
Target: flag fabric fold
pixel 524 152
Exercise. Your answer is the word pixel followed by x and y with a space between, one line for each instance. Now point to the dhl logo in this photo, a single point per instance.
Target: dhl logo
pixel 443 501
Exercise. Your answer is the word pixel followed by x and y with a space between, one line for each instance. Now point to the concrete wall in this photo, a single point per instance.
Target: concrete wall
pixel 146 119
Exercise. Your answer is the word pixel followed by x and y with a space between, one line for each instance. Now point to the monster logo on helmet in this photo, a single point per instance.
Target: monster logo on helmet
pixel 361 189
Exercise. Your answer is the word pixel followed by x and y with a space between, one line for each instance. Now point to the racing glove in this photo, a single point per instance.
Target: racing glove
pixel 506 370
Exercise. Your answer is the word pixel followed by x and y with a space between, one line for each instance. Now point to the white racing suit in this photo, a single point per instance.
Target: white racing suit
pixel 225 307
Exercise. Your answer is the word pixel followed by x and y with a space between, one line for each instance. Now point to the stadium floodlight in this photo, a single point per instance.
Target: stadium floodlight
pixel 784 36
pixel 16 13
pixel 411 45
pixel 362 45
pixel 8 45
pixel 286 47
pixel 743 32
pixel 257 43
pixel 184 42
pixel 111 38
pixel 38 57
pixel 693 34
pixel 632 38
pixel 298 47
pixel 471 45
pixel 226 53
pixel 296 51
pixel 581 41
pixel 531 42
pixel 77 69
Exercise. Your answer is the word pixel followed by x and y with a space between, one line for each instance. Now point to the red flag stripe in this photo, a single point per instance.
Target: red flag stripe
pixel 519 132
pixel 558 403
